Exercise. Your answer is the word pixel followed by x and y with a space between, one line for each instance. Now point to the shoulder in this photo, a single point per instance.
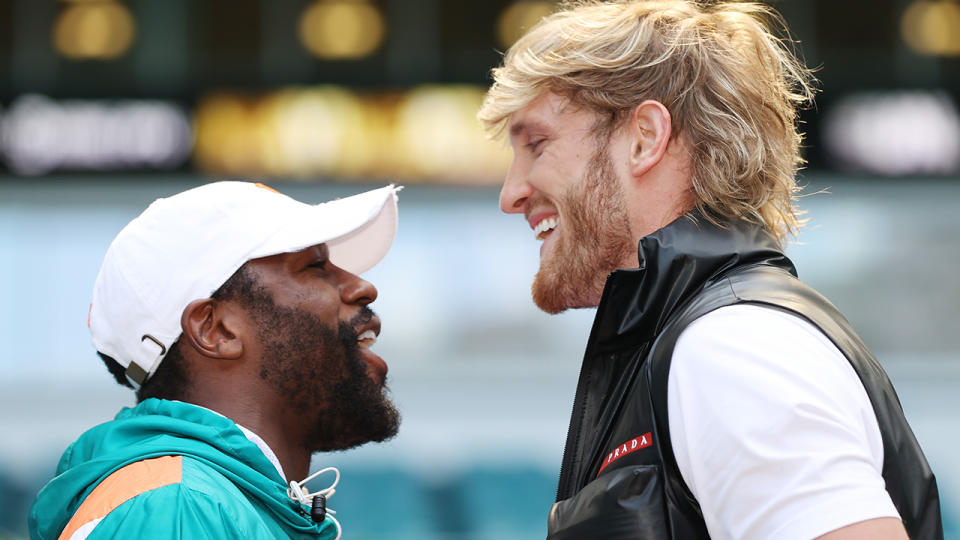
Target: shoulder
pixel 748 340
pixel 167 497
pixel 748 320
pixel 772 430
pixel 754 369
pixel 761 367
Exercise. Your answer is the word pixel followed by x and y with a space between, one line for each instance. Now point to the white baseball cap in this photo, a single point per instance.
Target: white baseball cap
pixel 183 248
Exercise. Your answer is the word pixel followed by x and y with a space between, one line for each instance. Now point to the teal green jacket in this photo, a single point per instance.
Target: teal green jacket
pixel 186 473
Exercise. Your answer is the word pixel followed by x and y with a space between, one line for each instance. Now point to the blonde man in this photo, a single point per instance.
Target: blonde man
pixel 719 397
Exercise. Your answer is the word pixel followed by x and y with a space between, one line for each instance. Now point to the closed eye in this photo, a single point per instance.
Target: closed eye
pixel 534 145
pixel 321 265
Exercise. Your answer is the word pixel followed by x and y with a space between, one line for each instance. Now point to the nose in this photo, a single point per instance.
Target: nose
pixel 356 290
pixel 515 191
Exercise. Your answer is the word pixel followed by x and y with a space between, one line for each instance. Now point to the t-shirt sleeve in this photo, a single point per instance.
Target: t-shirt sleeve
pixel 772 430
pixel 170 513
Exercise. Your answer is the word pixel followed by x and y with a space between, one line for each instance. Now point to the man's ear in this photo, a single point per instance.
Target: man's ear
pixel 650 127
pixel 212 329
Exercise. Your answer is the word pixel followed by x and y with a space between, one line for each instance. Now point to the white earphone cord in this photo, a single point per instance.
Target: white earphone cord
pixel 296 493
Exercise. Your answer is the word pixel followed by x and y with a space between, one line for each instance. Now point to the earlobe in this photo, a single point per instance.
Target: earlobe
pixel 209 328
pixel 651 128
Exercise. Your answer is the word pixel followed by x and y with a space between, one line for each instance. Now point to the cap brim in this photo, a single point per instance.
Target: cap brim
pixel 358 230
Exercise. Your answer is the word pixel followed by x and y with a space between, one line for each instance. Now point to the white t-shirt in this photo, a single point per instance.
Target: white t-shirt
pixel 772 430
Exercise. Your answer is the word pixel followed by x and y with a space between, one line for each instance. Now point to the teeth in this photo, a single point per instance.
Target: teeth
pixel 367 338
pixel 545 225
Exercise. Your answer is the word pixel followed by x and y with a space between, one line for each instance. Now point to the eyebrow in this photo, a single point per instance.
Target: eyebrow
pixel 524 126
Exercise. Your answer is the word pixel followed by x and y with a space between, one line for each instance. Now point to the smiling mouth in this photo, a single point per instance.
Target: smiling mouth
pixel 366 339
pixel 545 227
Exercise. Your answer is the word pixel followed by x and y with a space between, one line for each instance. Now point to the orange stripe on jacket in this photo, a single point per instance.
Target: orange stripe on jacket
pixel 122 485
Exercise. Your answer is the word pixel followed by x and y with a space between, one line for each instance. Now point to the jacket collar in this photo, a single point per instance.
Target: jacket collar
pixel 676 262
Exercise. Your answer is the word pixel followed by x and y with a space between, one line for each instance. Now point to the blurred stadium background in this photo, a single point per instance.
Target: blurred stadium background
pixel 108 104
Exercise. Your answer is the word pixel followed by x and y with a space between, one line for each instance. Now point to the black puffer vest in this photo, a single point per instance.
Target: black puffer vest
pixel 619 478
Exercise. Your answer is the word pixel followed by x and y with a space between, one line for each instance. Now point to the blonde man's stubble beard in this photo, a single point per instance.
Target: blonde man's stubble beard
pixel 595 239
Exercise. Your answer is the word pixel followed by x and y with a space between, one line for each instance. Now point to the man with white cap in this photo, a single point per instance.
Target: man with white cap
pixel 238 315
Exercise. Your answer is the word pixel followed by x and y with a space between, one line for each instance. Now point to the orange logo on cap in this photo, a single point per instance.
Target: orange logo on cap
pixel 264 186
pixel 89 313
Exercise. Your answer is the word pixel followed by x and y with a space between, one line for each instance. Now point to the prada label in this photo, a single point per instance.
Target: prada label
pixel 634 444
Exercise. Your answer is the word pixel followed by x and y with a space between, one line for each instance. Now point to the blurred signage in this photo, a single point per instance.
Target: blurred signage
pixel 894 133
pixel 427 134
pixel 932 27
pixel 39 135
pixel 101 30
pixel 341 29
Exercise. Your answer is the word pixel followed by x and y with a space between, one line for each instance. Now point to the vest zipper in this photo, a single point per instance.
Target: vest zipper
pixel 571 449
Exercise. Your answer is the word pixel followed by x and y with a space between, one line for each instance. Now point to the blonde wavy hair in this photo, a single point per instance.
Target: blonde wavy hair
pixel 732 88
